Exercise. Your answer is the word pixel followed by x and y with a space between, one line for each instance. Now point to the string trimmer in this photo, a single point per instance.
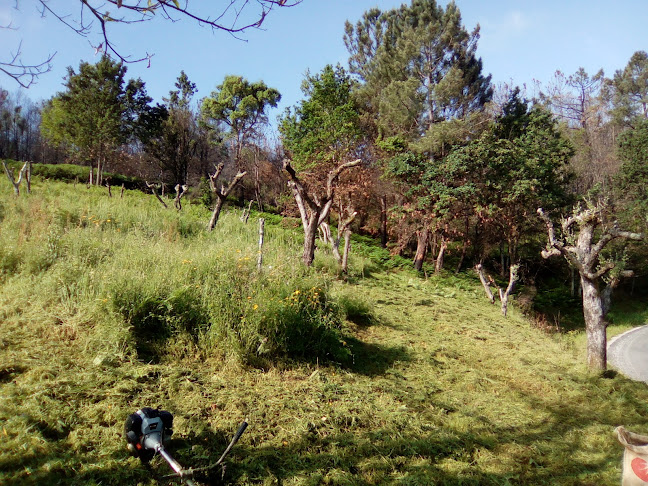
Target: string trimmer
pixel 146 431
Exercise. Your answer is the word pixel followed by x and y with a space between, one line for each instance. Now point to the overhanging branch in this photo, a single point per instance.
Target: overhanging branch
pixel 96 16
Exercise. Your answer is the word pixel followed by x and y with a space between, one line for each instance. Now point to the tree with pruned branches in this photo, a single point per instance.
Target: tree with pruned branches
pixel 584 236
pixel 322 137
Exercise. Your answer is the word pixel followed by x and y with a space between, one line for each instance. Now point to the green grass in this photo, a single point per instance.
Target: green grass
pixel 109 305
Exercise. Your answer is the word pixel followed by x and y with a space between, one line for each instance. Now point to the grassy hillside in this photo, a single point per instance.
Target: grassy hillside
pixel 108 305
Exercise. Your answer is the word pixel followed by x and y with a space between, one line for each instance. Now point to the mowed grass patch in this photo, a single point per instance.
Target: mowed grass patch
pixel 431 386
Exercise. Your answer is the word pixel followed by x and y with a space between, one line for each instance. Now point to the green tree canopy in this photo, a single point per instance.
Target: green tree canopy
pixel 97 112
pixel 418 65
pixel 497 180
pixel 518 165
pixel 175 138
pixel 632 178
pixel 629 90
pixel 324 129
pixel 241 106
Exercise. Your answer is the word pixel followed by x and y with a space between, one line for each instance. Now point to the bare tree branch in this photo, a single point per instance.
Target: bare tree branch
pixel 153 189
pixel 336 173
pixel 555 247
pixel 485 282
pixel 95 17
pixel 221 194
pixel 24 74
pixel 298 187
pixel 600 272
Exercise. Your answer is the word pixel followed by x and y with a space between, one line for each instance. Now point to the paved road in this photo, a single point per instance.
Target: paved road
pixel 628 353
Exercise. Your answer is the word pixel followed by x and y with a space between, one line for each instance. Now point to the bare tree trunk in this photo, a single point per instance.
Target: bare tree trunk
pixel 246 213
pixel 502 260
pixel 422 241
pixel 180 191
pixel 310 235
pixel 109 190
pixel 577 245
pixel 383 221
pixel 10 176
pixel 335 247
pixel 121 195
pixel 572 275
pixel 216 213
pixel 485 283
pixel 347 248
pixel 325 234
pixel 257 186
pixel 221 193
pixel 313 212
pixel 595 325
pixel 504 294
pixel 28 176
pixel 462 257
pixel 261 235
pixel 438 266
pixel 154 190
pixel 100 169
pixel 344 229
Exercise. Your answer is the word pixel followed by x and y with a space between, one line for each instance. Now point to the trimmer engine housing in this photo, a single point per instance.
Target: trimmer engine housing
pixel 146 430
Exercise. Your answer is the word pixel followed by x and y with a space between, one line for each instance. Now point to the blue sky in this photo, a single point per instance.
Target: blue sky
pixel 520 41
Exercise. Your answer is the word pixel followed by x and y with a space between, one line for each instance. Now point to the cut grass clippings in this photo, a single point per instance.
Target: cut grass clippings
pixel 436 386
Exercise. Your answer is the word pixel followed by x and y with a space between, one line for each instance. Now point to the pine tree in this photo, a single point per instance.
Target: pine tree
pixel 628 90
pixel 418 65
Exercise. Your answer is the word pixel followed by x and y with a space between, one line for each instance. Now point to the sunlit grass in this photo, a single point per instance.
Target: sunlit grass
pixel 109 305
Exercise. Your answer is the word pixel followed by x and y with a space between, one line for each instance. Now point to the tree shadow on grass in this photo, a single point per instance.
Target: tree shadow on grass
pixel 62 465
pixel 564 447
pixel 552 451
pixel 371 359
pixel 443 457
pixel 382 458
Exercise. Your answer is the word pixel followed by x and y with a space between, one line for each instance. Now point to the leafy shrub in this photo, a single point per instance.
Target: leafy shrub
pixel 61 172
pixel 356 310
pixel 271 218
pixel 204 194
pixel 304 324
pixel 156 315
pixel 291 318
pixel 257 320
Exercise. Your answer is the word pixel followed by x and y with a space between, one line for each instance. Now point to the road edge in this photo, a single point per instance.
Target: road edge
pixel 618 363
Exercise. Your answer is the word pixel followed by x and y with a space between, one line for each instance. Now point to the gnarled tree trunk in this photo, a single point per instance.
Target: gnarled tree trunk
pixel 383 221
pixel 438 265
pixel 221 194
pixel 312 210
pixel 582 252
pixel 595 325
